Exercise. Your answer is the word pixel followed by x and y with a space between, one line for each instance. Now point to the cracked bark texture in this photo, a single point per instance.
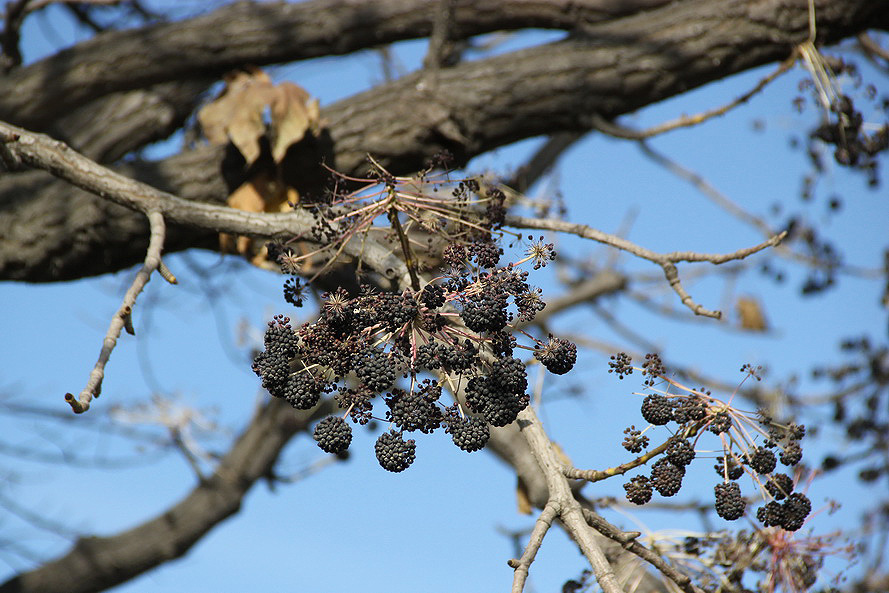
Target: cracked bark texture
pixel 608 66
pixel 110 96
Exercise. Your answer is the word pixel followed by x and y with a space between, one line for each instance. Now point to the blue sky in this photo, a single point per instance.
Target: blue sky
pixel 436 526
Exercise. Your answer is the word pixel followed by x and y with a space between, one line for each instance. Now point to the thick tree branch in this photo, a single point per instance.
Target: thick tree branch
pixel 478 106
pixel 260 33
pixel 561 502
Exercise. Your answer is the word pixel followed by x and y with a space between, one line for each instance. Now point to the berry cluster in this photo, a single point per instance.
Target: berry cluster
pixel 697 412
pixel 453 331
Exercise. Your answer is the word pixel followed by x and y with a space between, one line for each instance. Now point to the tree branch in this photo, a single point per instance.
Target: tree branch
pixel 667 261
pixel 561 498
pixel 260 34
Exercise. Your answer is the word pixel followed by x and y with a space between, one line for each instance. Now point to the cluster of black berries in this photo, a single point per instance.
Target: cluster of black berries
pixel 846 134
pixel 695 411
pixel 361 344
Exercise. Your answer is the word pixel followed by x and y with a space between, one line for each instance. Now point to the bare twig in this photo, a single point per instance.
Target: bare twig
pixel 594 475
pixel 521 566
pixel 121 318
pixel 619 131
pixel 727 204
pixel 707 188
pixel 872 48
pixel 667 261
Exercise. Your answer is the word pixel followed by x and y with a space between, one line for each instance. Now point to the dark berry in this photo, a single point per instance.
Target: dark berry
pixel 690 409
pixel 333 434
pixel 652 367
pixel 770 514
pixel 791 454
pixel 279 337
pixel 733 471
pixel 796 508
pixel 302 391
pixel 621 364
pixel 274 369
pixel 412 411
pixel 679 451
pixel 720 423
pixel 458 358
pixel 294 291
pixel 762 461
pixel 393 452
pixel 780 486
pixel 485 312
pixel 375 370
pixel 635 441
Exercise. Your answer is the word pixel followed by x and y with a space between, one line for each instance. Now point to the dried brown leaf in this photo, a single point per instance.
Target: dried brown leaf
pixel 293 114
pixel 238 114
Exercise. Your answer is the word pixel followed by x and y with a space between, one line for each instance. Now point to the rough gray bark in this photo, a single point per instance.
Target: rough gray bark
pixel 51 233
pixel 250 33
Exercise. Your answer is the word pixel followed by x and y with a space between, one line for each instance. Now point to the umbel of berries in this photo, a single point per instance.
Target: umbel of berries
pixel 558 355
pixel 393 452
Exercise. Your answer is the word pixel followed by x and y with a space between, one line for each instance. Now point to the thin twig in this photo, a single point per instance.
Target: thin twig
pixel 594 475
pixel 619 131
pixel 666 261
pixel 542 160
pixel 118 321
pixel 523 564
pixel 872 48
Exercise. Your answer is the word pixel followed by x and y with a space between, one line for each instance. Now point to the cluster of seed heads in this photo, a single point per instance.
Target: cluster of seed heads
pixel 454 331
pixel 696 412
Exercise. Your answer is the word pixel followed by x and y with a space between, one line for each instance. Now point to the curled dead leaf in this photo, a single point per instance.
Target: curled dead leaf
pixel 238 114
